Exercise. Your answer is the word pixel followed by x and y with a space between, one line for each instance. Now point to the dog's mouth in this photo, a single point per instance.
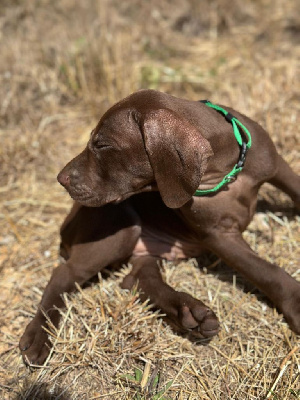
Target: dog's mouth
pixel 94 200
pixel 83 196
pixel 83 199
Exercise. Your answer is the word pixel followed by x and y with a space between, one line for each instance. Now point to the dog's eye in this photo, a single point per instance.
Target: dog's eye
pixel 99 145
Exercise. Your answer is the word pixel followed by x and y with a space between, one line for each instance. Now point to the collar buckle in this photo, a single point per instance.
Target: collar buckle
pixel 230 178
pixel 242 157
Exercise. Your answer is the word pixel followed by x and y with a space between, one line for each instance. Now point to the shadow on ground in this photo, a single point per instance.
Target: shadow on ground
pixel 42 391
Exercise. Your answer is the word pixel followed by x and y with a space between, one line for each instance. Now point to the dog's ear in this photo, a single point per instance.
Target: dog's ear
pixel 178 154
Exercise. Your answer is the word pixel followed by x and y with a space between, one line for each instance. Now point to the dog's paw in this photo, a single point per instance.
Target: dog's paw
pixel 34 344
pixel 195 317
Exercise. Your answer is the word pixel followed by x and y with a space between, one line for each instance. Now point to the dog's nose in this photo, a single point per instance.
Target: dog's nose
pixel 64 179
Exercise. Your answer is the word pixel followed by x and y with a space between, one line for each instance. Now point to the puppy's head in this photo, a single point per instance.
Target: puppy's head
pixel 138 145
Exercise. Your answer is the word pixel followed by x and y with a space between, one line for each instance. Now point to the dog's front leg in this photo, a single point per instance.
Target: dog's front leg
pixel 184 312
pixel 272 280
pixel 34 343
pixel 97 238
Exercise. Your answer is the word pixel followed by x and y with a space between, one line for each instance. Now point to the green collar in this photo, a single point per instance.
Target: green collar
pixel 236 125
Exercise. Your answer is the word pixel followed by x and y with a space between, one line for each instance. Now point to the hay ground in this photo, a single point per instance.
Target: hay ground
pixel 63 63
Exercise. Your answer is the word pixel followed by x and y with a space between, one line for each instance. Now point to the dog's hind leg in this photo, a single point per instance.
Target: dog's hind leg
pixel 287 180
pixel 272 280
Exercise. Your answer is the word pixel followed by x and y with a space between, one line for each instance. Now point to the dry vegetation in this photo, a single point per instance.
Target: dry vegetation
pixel 62 64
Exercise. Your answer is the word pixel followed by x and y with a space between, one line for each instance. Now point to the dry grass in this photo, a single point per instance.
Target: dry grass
pixel 62 64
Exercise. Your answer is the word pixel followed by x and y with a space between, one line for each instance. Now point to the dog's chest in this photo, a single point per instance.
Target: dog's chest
pixel 166 245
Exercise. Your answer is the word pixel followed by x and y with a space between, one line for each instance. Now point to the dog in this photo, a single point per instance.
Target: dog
pixel 134 188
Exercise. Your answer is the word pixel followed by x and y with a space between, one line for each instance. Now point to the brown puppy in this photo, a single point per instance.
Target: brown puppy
pixel 134 188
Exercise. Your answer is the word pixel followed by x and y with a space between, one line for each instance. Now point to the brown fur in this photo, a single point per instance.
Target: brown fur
pixel 134 184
